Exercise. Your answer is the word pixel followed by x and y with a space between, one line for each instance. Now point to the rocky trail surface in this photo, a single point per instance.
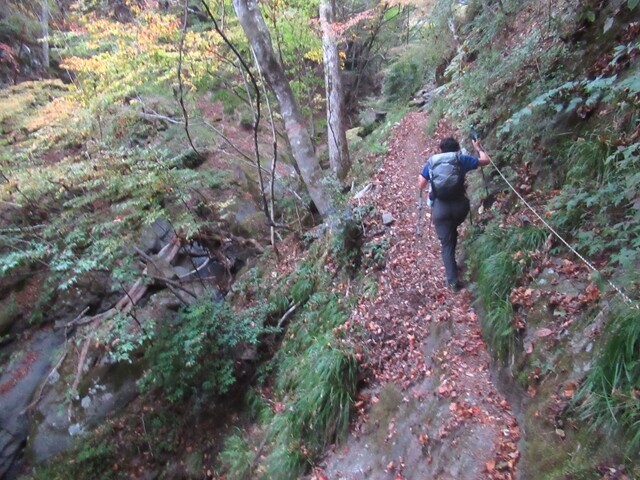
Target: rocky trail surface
pixel 430 409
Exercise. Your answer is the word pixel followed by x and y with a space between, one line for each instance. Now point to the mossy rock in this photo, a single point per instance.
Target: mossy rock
pixel 190 159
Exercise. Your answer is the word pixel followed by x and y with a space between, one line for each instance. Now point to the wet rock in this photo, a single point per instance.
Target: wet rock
pixel 75 430
pixel 243 217
pixel 85 402
pixel 155 236
pixel 19 383
pixel 426 96
pixel 182 272
pixel 160 268
pixel 106 388
pixel 94 290
pixel 373 116
pixel 161 304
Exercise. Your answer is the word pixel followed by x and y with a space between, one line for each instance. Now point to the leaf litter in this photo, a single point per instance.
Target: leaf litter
pixel 399 346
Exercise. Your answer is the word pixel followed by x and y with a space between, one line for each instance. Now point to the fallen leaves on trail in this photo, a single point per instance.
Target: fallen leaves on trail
pixel 395 329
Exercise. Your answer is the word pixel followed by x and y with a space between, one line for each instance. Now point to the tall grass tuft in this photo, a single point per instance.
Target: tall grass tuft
pixel 588 159
pixel 320 390
pixel 237 458
pixel 327 386
pixel 611 392
pixel 496 277
pixel 496 270
pixel 286 462
pixel 497 328
pixel 528 238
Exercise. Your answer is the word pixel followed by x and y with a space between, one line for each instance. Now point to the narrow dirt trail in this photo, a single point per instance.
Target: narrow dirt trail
pixel 430 409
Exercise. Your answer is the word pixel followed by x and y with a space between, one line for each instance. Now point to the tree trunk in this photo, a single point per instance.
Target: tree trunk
pixel 256 30
pixel 44 22
pixel 337 136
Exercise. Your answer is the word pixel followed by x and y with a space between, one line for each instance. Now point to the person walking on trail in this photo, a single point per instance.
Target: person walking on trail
pixel 446 173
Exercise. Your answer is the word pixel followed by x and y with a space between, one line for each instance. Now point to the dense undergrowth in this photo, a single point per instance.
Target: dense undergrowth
pixel 560 99
pixel 310 373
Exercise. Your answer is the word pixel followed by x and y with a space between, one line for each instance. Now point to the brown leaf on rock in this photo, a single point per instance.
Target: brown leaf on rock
pixel 543 332
pixel 569 390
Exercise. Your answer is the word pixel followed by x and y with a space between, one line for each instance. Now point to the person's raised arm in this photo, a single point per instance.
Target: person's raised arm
pixel 483 158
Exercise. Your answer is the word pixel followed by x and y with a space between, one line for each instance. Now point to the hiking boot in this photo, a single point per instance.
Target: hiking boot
pixel 455 286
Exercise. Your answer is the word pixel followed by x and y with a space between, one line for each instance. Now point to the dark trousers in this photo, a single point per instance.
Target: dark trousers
pixel 447 216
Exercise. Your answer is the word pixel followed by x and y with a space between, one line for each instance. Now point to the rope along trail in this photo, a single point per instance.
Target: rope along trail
pixel 624 296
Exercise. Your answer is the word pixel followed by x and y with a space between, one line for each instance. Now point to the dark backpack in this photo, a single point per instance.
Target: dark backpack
pixel 446 176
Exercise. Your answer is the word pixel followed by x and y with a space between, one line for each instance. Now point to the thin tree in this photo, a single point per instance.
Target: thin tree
pixel 44 23
pixel 253 24
pixel 337 137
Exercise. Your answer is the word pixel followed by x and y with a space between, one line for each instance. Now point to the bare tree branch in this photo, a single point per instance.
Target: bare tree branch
pixel 180 84
pixel 257 114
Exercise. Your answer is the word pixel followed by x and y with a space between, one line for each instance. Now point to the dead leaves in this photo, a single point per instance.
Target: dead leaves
pixel 411 305
pixel 543 332
pixel 464 409
pixel 447 389
pixel 503 465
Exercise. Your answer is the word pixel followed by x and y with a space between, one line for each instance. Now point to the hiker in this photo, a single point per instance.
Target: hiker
pixel 445 172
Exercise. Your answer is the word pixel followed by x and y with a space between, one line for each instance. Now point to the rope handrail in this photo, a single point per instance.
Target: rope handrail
pixel 624 296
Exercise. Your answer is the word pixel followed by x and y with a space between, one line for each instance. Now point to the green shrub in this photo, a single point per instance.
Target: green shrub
pixel 348 239
pixel 610 393
pixel 8 314
pixel 375 253
pixel 230 101
pixel 595 209
pixel 436 112
pixel 402 80
pixel 197 353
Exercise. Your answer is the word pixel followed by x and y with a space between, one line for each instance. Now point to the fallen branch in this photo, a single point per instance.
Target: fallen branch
pixel 38 396
pixel 171 283
pixel 12 204
pixel 157 116
pixel 83 358
pixel 192 272
pixel 133 295
pixel 287 314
